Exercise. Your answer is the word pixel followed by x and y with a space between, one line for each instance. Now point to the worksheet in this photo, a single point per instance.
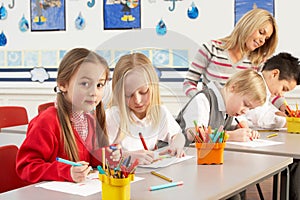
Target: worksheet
pixel 256 143
pixel 164 162
pixel 90 186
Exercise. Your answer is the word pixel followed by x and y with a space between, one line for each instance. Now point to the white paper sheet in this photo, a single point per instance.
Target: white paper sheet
pixel 90 186
pixel 166 162
pixel 256 143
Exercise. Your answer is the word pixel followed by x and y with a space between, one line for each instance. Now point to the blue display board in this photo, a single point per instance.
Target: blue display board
pixel 122 14
pixel 243 6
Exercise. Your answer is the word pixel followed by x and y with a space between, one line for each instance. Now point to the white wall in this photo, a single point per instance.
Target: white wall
pixel 216 20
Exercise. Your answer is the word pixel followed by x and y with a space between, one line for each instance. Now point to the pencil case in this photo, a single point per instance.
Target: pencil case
pixel 115 188
pixel 293 124
pixel 210 153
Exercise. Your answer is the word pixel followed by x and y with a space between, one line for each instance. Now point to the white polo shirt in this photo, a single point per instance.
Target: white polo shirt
pixel 167 128
pixel 264 116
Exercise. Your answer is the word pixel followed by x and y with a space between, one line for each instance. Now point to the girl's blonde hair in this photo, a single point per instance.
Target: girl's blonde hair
pixel 249 83
pixel 125 65
pixel 253 20
pixel 69 65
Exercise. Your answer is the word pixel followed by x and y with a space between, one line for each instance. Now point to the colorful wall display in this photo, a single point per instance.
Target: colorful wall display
pixel 243 6
pixel 122 14
pixel 48 15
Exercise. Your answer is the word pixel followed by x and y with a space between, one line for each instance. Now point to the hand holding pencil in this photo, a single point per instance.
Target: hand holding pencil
pixel 246 132
pixel 79 170
pixel 145 157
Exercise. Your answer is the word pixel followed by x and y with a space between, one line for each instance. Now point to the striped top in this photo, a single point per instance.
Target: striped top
pixel 212 63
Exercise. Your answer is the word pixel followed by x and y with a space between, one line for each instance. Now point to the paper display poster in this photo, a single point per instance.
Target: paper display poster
pixel 122 14
pixel 243 6
pixel 48 15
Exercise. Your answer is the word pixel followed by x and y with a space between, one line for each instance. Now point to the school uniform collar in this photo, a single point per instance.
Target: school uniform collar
pixel 217 90
pixel 267 89
pixel 79 122
pixel 142 122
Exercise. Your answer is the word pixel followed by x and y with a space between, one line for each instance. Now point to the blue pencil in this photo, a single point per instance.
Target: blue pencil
pixel 167 185
pixel 68 162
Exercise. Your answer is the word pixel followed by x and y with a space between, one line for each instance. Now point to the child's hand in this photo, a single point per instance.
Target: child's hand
pixel 145 157
pixel 79 173
pixel 255 134
pixel 179 152
pixel 243 135
pixel 190 134
pixel 115 152
pixel 280 113
pixel 176 146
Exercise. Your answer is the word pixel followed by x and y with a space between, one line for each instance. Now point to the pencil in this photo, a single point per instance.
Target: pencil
pixel 237 121
pixel 288 109
pixel 197 138
pixel 103 158
pixel 143 141
pixel 68 162
pixel 272 135
pixel 161 176
pixel 167 185
pixel 265 130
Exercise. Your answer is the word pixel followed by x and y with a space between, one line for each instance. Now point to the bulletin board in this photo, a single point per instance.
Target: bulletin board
pixel 122 14
pixel 243 6
pixel 48 15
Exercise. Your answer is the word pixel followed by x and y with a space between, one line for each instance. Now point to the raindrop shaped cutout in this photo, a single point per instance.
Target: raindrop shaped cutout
pixel 192 11
pixel 3 12
pixel 161 28
pixel 3 39
pixel 23 24
pixel 80 22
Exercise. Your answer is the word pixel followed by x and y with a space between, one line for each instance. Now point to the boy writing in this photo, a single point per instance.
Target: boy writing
pixel 281 74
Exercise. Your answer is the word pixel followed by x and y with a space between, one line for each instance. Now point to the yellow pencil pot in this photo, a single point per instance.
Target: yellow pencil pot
pixel 293 124
pixel 115 188
pixel 210 153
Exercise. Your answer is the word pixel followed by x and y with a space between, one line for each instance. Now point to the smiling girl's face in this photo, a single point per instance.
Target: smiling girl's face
pixel 85 88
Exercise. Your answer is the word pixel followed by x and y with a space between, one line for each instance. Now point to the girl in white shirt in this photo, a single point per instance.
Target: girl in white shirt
pixel 136 108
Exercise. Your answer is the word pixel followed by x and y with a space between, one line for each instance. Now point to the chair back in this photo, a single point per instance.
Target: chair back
pixel 9 178
pixel 13 116
pixel 44 106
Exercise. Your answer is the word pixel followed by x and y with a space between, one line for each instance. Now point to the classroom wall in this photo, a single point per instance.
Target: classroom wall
pixel 216 20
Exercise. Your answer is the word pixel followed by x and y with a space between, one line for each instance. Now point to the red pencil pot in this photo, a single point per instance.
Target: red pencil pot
pixel 210 153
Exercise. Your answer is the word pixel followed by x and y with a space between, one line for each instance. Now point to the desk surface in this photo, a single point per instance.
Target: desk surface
pixel 11 138
pixel 200 181
pixel 290 146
